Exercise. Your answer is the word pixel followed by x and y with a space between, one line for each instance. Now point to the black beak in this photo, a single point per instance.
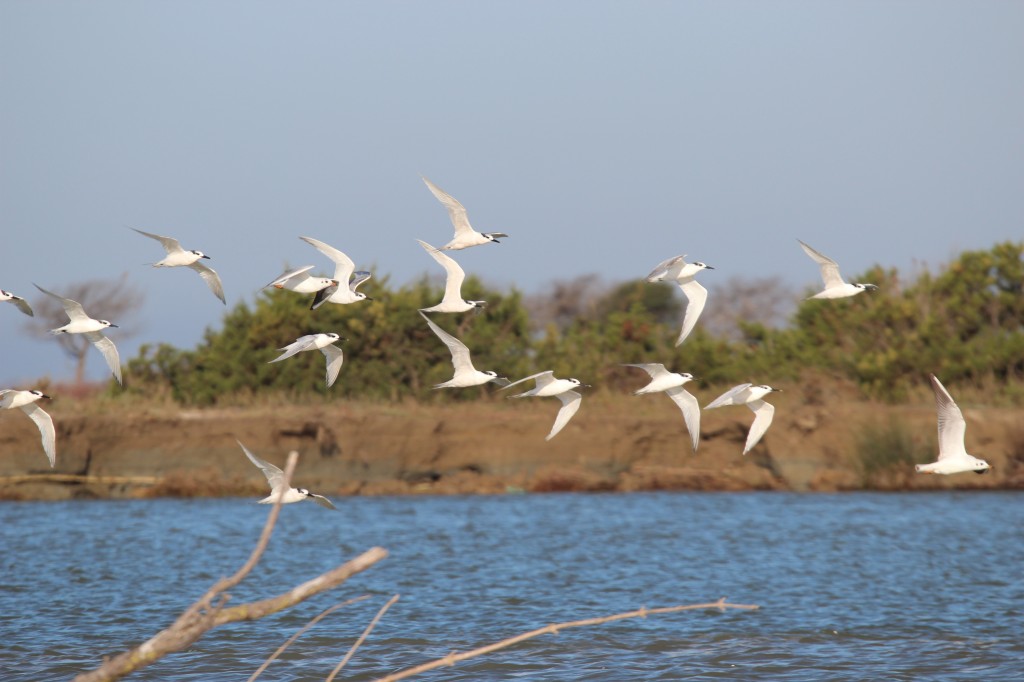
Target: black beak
pixel 206 257
pixel 982 471
pixel 113 325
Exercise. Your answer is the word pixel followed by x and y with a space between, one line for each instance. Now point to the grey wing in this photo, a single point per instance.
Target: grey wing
pixel 275 477
pixel 334 360
pixel 343 265
pixel 211 278
pixel 460 352
pixel 653 369
pixel 952 427
pixel 322 296
pixel 358 278
pixel 728 397
pixel 550 375
pixel 691 412
pixel 288 275
pixel 829 268
pixel 571 401
pixel 297 346
pixel 696 296
pixel 763 419
pixel 170 244
pixel 74 309
pixel 322 501
pixel 109 351
pixel 45 424
pixel 660 271
pixel 456 211
pixel 23 305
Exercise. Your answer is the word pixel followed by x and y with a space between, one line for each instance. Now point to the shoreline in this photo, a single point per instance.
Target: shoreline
pixel 615 444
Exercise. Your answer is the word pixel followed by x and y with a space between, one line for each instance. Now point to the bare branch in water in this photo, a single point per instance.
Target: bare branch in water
pixel 208 611
pixel 453 658
pixel 362 637
pixel 302 630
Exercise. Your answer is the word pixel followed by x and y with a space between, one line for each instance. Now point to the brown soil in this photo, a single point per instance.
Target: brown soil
pixel 615 443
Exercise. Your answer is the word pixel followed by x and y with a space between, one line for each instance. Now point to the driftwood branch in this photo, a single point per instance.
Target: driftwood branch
pixel 362 638
pixel 291 640
pixel 208 611
pixel 453 658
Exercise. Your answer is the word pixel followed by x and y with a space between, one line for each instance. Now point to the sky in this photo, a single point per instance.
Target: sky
pixel 603 137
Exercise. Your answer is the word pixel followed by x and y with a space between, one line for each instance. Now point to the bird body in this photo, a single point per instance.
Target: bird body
pixel 301 282
pixel 455 275
pixel 751 396
pixel 26 400
pixel 953 457
pixel 80 323
pixel 275 477
pixel 671 383
pixel 677 270
pixel 346 279
pixel 18 301
pixel 321 342
pixel 835 285
pixel 465 236
pixel 177 257
pixel 548 386
pixel 465 373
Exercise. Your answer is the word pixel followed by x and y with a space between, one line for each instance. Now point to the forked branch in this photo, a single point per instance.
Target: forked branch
pixel 208 611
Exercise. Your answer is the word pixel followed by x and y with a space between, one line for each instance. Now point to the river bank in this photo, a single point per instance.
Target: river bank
pixel 615 443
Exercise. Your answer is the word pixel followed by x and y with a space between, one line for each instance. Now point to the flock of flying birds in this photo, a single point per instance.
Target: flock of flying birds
pixel 342 289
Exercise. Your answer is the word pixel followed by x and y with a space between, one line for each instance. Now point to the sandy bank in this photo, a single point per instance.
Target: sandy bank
pixel 615 443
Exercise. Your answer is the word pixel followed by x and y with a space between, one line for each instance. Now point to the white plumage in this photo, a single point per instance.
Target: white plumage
pixel 953 457
pixel 80 323
pixel 26 400
pixel 671 383
pixel 751 396
pixel 676 269
pixel 465 236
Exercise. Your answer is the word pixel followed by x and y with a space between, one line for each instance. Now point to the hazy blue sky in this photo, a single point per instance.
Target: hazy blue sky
pixel 603 136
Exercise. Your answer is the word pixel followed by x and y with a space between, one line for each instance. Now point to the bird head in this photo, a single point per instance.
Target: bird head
pixel 981 466
pixel 107 324
pixel 702 266
pixel 40 394
pixel 200 254
pixel 866 287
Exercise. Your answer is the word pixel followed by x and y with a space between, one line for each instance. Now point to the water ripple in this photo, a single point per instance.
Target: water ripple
pixel 852 587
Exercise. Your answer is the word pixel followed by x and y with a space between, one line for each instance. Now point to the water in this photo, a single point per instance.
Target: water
pixel 851 587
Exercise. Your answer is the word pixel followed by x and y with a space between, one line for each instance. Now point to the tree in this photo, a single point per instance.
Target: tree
pixel 106 299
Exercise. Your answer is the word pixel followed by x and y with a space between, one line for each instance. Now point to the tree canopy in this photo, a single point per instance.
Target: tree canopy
pixel 965 322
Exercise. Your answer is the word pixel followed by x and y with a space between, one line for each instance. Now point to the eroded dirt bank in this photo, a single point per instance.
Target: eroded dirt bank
pixel 614 443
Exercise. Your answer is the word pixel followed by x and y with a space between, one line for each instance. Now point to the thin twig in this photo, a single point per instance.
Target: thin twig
pixel 362 637
pixel 302 630
pixel 453 658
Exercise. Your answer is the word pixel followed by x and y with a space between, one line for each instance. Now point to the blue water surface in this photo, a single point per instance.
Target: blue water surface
pixel 851 586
